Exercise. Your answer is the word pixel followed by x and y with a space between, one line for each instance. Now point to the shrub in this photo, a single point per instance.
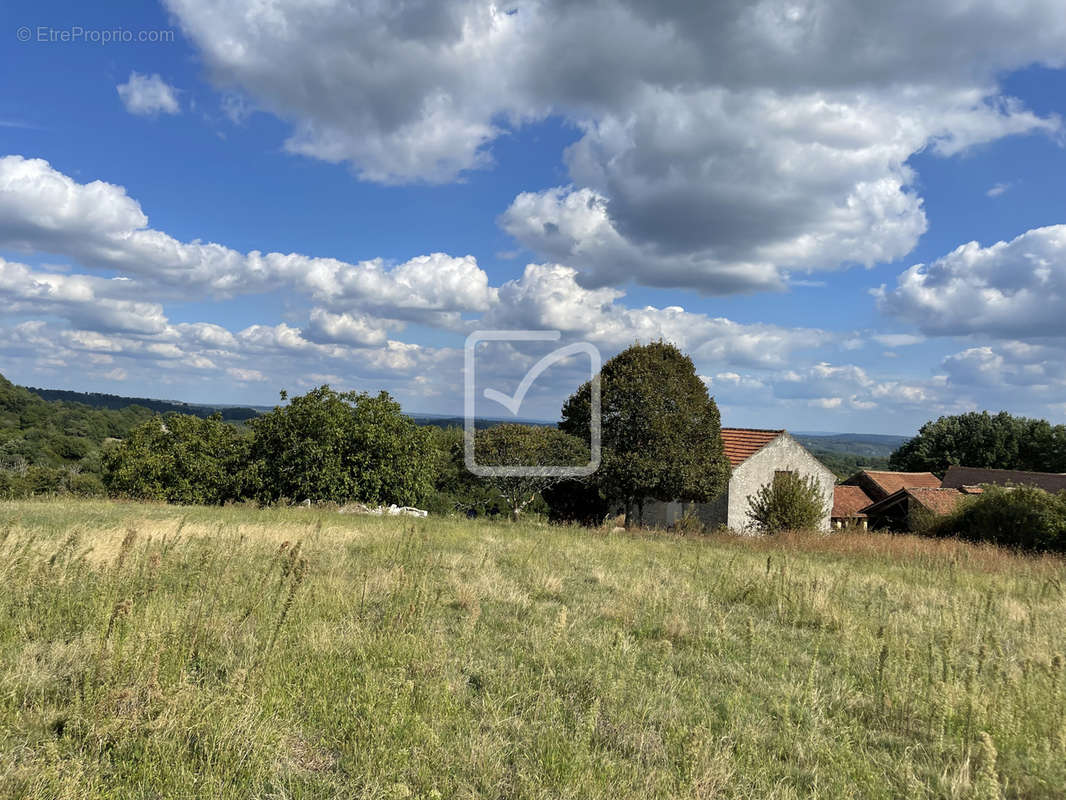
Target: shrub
pixel 526 446
pixel 1023 517
pixel 181 459
pixel 341 446
pixel 788 502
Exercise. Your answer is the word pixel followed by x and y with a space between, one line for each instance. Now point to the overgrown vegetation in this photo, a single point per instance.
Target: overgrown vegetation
pixel 158 651
pixel 55 447
pixel 340 446
pixel 1021 517
pixel 789 502
pixel 180 459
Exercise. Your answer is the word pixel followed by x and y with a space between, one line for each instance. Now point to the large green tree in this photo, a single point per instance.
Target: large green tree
pixel 341 446
pixel 661 432
pixel 980 439
pixel 533 446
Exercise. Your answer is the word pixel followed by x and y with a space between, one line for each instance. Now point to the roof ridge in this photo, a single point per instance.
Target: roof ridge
pixel 756 430
pixel 1000 469
pixel 894 472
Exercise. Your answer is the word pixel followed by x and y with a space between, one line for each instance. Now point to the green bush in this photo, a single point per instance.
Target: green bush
pixel 341 446
pixel 181 459
pixel 788 503
pixel 1022 517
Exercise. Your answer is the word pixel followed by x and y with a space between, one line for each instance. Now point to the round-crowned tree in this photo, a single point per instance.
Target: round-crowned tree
pixel 661 432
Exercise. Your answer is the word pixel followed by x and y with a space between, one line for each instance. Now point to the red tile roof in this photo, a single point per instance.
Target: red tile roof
pixel 742 443
pixel 891 482
pixel 958 477
pixel 939 501
pixel 849 501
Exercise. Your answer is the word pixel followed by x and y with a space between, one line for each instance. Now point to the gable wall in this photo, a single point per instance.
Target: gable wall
pixel 783 453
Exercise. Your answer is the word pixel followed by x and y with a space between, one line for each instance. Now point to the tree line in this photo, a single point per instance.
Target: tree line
pixel 56 447
pixel 660 430
pixel 988 441
pixel 661 439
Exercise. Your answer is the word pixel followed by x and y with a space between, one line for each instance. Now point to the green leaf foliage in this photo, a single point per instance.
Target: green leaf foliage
pixel 980 439
pixel 55 447
pixel 526 446
pixel 1022 517
pixel 661 431
pixel 341 447
pixel 790 502
pixel 180 459
pixel 455 488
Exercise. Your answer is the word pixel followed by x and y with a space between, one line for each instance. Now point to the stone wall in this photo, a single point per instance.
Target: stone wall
pixel 731 507
pixel 782 454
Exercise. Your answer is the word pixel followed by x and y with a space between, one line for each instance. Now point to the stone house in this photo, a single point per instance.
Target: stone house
pixel 756 456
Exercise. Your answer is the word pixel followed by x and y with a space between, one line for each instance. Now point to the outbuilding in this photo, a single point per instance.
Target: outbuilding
pixel 756 457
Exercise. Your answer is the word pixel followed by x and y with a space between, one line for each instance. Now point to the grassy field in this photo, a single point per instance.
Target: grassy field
pixel 152 651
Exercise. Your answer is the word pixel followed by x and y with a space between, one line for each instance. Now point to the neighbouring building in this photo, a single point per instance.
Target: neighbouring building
pixel 756 456
pixel 959 477
pixel 849 503
pixel 879 484
pixel 905 509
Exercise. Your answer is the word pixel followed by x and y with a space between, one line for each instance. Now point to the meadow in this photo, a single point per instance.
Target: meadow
pixel 156 651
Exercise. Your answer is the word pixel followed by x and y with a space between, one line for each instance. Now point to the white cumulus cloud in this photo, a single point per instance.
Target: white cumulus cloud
pixel 723 145
pixel 148 95
pixel 1014 289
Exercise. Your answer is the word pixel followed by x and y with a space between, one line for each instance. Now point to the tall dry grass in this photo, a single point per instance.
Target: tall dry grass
pixel 152 651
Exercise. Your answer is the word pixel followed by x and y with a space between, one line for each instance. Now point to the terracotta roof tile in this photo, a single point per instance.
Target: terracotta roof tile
pixel 892 482
pixel 958 477
pixel 939 501
pixel 849 501
pixel 742 443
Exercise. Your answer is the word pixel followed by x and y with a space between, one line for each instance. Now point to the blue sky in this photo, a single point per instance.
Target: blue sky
pixel 755 182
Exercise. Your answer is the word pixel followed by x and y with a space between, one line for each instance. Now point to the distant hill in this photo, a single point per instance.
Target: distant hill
pixel 875 445
pixel 51 446
pixel 117 402
pixel 847 453
pixel 480 422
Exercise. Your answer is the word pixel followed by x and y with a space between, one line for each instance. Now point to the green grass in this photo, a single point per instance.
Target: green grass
pixel 152 651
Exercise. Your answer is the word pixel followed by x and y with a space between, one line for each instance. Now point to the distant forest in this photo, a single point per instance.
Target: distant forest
pixel 52 440
pixel 847 453
pixel 117 402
